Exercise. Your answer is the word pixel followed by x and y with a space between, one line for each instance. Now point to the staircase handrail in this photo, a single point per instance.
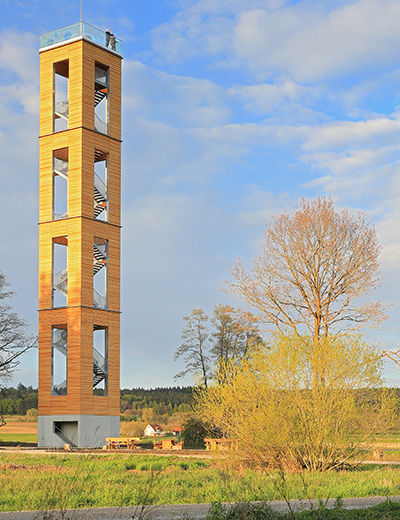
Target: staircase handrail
pixel 99 125
pixel 100 76
pixel 60 340
pixel 99 301
pixel 61 167
pixel 62 107
pixel 59 389
pixel 99 248
pixel 60 281
pixel 100 186
pixel 60 216
pixel 99 360
pixel 58 431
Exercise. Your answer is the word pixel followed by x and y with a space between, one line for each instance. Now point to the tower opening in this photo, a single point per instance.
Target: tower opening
pixel 100 360
pixel 100 202
pixel 60 183
pixel 59 356
pixel 61 95
pixel 101 92
pixel 100 273
pixel 60 271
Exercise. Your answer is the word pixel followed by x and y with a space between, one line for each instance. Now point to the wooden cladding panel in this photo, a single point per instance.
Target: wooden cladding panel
pixel 81 145
pixel 81 234
pixel 81 140
pixel 71 139
pixel 79 398
pixel 92 141
pixel 82 56
pixel 73 53
pixel 91 55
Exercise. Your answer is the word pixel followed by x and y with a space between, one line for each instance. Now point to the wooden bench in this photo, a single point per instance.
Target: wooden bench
pixel 115 443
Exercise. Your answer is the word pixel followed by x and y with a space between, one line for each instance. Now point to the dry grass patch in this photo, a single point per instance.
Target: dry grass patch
pixel 19 427
pixel 36 467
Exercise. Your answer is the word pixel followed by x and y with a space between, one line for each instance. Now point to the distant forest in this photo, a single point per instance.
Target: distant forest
pixel 17 401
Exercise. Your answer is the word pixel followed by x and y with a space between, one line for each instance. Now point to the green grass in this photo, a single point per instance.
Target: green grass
pixel 52 481
pixel 18 437
pixel 385 511
pixel 387 437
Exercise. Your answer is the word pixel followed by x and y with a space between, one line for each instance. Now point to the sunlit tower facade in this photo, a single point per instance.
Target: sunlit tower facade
pixel 79 236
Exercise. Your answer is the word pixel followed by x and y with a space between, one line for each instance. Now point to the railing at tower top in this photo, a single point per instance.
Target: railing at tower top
pixel 81 29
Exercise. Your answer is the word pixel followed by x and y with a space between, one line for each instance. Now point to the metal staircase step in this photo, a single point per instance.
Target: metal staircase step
pixel 99 95
pixel 99 197
pixel 98 210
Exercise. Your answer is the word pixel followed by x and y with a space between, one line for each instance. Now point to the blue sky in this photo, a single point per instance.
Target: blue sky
pixel 232 111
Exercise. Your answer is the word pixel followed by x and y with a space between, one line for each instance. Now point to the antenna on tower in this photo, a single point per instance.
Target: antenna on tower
pixel 81 10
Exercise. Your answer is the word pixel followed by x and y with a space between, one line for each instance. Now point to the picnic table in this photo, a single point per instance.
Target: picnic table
pixel 168 444
pixel 115 443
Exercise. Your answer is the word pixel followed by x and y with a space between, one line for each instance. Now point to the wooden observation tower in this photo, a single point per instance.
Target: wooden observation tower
pixel 79 236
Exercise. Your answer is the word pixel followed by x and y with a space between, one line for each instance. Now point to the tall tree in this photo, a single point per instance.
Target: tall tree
pixel 194 348
pixel 14 339
pixel 312 276
pixel 234 336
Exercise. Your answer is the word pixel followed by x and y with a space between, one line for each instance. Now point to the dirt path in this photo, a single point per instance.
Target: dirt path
pixel 178 511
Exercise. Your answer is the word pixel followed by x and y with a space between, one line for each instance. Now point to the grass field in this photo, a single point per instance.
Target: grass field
pixel 47 481
pixel 17 430
pixel 385 511
pixel 18 437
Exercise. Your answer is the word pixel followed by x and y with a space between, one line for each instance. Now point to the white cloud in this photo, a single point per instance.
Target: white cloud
pixel 305 41
pixel 383 130
pixel 308 41
pixel 19 65
pixel 185 100
pixel 265 98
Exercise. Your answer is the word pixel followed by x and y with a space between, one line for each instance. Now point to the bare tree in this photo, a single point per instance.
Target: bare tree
pixel 194 348
pixel 235 336
pixel 14 339
pixel 232 335
pixel 312 276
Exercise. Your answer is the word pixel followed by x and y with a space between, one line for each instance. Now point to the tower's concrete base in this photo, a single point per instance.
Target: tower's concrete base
pixel 82 431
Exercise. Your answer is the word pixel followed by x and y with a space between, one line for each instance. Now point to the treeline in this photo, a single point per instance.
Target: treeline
pixel 160 400
pixel 17 401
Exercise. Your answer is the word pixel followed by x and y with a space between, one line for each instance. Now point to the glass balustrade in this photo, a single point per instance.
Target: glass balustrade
pixel 84 29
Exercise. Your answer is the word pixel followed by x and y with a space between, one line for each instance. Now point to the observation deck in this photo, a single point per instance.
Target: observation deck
pixel 80 31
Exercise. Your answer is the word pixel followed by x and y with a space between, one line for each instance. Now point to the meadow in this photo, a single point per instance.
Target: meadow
pixel 70 480
pixel 18 429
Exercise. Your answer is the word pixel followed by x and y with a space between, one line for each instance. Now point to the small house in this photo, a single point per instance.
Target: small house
pixel 152 430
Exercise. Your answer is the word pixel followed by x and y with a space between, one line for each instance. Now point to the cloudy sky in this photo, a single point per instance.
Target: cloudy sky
pixel 232 111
